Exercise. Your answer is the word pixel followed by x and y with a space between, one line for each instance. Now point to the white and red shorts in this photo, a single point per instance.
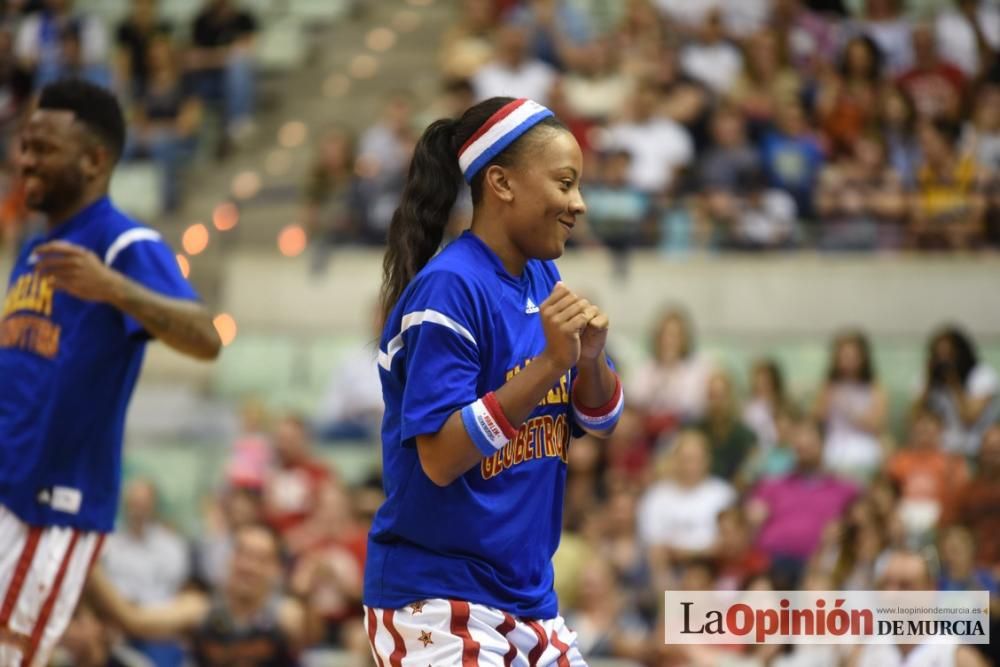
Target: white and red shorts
pixel 450 633
pixel 42 572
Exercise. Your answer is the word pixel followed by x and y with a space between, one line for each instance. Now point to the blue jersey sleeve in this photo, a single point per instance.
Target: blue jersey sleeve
pixel 441 343
pixel 151 263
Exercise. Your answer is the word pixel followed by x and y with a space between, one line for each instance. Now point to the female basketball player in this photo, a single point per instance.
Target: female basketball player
pixel 488 364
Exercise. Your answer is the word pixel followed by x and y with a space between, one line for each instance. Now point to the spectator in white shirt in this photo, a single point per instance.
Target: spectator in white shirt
pixel 598 89
pixel 384 151
pixel 711 59
pixel 884 22
pixel 147 561
pixel 352 406
pixel 512 73
pixel 38 46
pixel 968 33
pixel 659 146
pixel 678 515
pixel 962 388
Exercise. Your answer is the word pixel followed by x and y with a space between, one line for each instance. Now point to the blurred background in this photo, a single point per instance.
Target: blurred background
pixel 794 218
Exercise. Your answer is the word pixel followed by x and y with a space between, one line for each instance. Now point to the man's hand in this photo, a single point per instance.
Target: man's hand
pixel 77 271
pixel 184 325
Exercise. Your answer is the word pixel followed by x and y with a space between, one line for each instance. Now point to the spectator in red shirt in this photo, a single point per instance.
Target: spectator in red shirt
pixel 332 545
pixel 293 488
pixel 935 87
pixel 978 504
pixel 737 559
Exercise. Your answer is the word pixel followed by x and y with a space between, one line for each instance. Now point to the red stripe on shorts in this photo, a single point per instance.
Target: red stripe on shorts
pixel 398 648
pixel 543 642
pixel 20 573
pixel 97 551
pixel 460 628
pixel 50 601
pixel 504 629
pixel 562 660
pixel 372 628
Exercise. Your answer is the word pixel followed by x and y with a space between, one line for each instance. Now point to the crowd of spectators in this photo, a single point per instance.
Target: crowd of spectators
pixel 176 82
pixel 704 488
pixel 725 125
pixel 274 569
pixel 704 485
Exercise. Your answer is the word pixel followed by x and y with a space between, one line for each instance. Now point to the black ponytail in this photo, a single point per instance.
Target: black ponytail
pixel 418 224
pixel 432 185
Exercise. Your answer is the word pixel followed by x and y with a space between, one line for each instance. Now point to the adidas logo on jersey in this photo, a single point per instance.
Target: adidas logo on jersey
pixel 530 307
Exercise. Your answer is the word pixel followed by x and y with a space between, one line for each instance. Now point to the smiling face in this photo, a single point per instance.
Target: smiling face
pixel 542 193
pixel 53 160
pixel 256 563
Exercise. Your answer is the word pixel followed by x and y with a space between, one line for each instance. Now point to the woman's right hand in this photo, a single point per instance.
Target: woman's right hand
pixel 564 316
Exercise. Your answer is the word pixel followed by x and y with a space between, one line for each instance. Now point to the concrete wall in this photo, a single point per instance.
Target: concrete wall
pixel 761 296
pixel 755 299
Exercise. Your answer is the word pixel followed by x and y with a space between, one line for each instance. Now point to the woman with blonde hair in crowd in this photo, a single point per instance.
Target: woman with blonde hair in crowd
pixel 672 386
pixel 678 515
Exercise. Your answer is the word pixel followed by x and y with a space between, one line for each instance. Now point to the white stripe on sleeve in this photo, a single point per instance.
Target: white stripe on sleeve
pixel 127 238
pixel 417 318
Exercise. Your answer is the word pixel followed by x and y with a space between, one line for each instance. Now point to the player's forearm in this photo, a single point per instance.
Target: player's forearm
pixel 103 594
pixel 450 453
pixel 184 325
pixel 595 382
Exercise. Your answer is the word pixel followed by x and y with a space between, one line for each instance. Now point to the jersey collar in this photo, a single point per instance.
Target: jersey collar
pixel 491 257
pixel 94 211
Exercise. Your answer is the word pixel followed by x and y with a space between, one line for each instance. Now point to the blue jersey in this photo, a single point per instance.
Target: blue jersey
pixel 67 371
pixel 462 328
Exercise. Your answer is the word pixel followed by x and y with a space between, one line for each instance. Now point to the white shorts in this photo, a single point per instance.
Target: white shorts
pixel 42 572
pixel 450 633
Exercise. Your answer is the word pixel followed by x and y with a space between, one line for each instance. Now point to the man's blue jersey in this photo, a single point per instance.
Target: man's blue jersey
pixel 67 371
pixel 462 328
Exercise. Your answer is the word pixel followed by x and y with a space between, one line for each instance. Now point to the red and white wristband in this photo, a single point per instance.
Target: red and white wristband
pixel 487 424
pixel 604 417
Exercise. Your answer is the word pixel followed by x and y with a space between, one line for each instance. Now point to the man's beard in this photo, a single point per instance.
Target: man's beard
pixel 58 192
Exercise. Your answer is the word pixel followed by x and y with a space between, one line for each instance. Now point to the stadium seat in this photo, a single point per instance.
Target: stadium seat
pixel 180 12
pixel 259 365
pixel 317 10
pixel 281 46
pixel 135 187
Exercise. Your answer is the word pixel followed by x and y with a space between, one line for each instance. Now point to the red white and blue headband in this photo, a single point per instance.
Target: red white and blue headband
pixel 498 132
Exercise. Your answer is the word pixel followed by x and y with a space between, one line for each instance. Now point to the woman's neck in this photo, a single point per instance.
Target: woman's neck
pixel 688 483
pixel 493 236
